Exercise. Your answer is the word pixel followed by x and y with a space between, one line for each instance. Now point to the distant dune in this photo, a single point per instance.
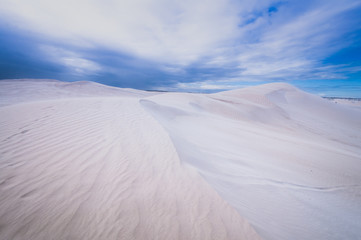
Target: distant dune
pixel 353 102
pixel 86 161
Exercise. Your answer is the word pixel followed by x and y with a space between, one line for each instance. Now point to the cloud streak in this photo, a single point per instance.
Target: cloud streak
pixel 177 31
pixel 76 63
pixel 193 42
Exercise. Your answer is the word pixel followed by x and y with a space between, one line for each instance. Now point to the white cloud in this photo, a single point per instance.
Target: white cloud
pixel 240 35
pixel 77 64
pixel 206 85
pixel 293 46
pixel 167 31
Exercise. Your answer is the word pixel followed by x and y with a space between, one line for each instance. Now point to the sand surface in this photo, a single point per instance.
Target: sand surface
pixel 99 168
pixel 288 161
pixel 355 103
pixel 86 161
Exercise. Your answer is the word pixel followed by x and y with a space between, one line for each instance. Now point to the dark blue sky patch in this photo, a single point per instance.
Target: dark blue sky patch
pixel 272 10
pixel 331 88
pixel 20 58
pixel 349 55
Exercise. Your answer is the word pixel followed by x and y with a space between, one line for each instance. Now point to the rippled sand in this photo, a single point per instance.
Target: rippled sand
pixel 100 168
pixel 85 161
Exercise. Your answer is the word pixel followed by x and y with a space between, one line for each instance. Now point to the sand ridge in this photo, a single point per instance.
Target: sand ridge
pixel 85 161
pixel 101 168
pixel 287 160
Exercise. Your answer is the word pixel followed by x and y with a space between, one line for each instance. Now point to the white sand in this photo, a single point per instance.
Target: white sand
pixel 98 167
pixel 84 161
pixel 355 103
pixel 288 161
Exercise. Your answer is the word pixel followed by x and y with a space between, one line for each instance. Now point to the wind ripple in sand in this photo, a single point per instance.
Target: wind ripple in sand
pixel 101 168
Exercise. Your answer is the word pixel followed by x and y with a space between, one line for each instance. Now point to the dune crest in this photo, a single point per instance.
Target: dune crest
pixel 82 161
pixel 86 161
pixel 287 160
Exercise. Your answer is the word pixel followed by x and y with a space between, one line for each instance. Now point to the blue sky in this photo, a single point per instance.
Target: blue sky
pixel 200 46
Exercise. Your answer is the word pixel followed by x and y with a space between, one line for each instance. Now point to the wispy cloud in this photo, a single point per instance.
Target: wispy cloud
pixel 175 31
pixel 191 42
pixel 294 46
pixel 76 63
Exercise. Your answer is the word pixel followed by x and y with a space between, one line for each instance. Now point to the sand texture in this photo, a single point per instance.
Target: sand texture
pixel 86 161
pixel 287 160
pixel 99 168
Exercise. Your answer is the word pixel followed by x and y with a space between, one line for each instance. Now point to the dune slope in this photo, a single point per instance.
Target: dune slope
pixel 99 166
pixel 286 160
pixel 85 161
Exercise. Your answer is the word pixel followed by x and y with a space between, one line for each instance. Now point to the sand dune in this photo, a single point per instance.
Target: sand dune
pixel 86 161
pixel 29 90
pixel 99 168
pixel 286 160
